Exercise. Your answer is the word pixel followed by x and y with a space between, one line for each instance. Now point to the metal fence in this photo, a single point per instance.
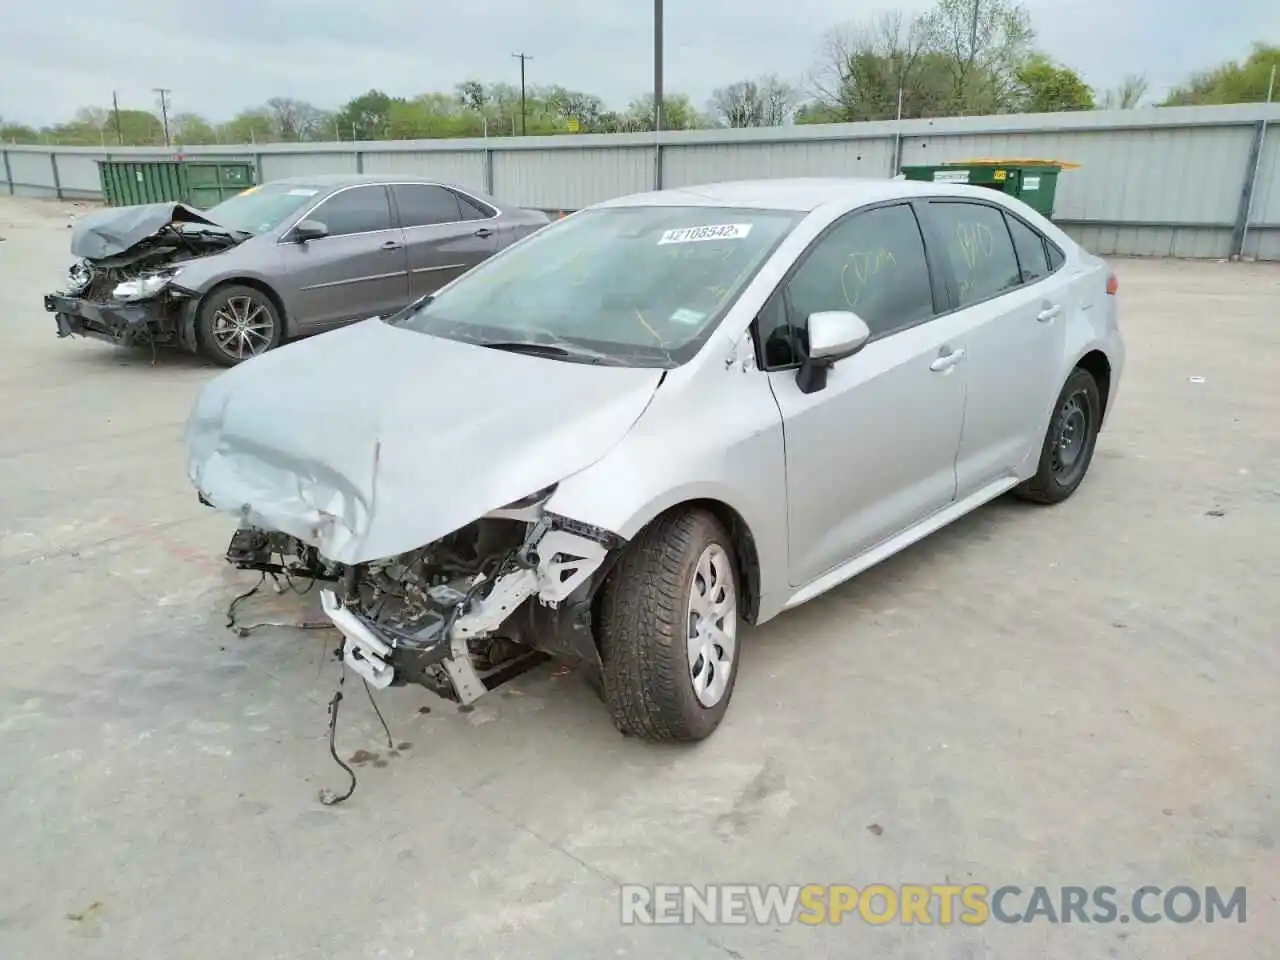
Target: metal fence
pixel 1176 181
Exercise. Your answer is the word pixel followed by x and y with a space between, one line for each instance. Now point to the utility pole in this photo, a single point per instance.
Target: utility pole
pixel 115 110
pixel 522 57
pixel 164 110
pixel 657 65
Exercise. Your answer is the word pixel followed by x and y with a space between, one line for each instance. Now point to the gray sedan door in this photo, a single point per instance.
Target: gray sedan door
pixel 443 239
pixel 358 270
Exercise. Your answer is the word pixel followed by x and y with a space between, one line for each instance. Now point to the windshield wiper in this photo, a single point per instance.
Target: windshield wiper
pixel 550 350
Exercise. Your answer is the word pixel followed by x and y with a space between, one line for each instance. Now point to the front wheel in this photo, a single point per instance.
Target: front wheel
pixel 1068 445
pixel 669 629
pixel 236 323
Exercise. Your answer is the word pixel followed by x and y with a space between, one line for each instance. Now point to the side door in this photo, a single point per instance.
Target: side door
pixel 358 269
pixel 1013 306
pixel 442 242
pixel 873 452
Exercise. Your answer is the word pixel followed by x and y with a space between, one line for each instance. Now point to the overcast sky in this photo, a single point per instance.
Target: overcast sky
pixel 221 57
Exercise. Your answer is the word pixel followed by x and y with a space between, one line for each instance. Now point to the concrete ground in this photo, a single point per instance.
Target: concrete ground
pixel 1083 695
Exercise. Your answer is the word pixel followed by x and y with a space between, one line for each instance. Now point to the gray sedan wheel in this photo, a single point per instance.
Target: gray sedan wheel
pixel 669 629
pixel 237 323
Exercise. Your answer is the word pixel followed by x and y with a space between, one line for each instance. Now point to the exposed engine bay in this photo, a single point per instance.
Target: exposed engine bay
pixel 464 614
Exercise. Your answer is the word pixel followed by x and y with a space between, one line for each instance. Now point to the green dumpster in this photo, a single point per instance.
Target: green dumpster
pixel 200 183
pixel 1034 182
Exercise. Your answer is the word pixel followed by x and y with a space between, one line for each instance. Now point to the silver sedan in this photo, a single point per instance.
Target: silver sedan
pixel 659 418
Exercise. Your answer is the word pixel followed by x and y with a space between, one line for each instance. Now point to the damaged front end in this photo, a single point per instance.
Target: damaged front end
pixel 126 288
pixel 464 614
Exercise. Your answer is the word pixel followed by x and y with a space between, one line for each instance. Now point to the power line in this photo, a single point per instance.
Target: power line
pixel 164 110
pixel 522 57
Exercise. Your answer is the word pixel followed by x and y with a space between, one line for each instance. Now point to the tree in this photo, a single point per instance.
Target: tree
pixel 1231 82
pixel 585 109
pixel 365 117
pixel 678 113
pixel 1047 87
pixel 766 102
pixel 472 95
pixel 11 132
pixel 295 120
pixel 249 126
pixel 987 42
pixel 1128 95
pixel 191 128
pixel 863 67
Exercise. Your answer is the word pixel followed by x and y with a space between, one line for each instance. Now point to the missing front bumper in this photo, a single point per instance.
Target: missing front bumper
pixel 161 320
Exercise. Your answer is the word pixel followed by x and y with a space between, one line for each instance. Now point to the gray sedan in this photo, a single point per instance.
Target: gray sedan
pixel 660 417
pixel 278 261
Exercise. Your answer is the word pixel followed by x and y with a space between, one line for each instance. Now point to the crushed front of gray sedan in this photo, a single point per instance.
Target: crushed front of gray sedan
pixel 125 286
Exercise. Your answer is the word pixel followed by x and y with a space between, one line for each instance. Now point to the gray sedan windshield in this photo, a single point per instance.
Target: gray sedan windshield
pixel 636 285
pixel 263 208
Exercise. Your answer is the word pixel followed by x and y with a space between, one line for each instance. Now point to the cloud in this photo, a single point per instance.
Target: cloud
pixel 60 56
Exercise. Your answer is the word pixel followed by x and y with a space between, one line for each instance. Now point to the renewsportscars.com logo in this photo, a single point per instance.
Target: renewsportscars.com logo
pixel 942 904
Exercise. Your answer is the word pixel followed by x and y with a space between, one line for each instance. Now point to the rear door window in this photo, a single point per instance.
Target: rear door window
pixel 1029 245
pixel 423 204
pixel 473 209
pixel 978 248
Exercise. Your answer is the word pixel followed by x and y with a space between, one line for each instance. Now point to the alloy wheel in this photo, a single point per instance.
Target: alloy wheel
pixel 243 327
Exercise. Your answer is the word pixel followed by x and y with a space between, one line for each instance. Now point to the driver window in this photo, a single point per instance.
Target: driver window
pixel 871 263
pixel 355 210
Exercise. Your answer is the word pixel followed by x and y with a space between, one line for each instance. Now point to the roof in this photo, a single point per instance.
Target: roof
pixel 347 179
pixel 799 193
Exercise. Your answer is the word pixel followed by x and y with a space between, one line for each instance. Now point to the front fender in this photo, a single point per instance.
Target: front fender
pixel 713 434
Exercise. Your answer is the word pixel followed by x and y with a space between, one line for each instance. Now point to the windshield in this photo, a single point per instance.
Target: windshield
pixel 642 286
pixel 263 208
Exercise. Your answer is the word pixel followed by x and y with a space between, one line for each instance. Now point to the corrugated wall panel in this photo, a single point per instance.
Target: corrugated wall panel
pixel 78 173
pixel 707 163
pixel 1134 175
pixel 1122 241
pixel 30 169
pixel 465 168
pixel 571 179
pixel 275 166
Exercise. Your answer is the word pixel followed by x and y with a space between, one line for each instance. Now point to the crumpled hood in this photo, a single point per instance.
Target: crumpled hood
pixel 105 233
pixel 373 440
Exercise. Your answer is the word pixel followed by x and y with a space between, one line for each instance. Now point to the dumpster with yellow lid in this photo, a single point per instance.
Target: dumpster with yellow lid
pixel 1034 182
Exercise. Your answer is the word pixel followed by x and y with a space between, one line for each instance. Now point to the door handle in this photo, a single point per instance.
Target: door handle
pixel 947 360
pixel 392 245
pixel 1048 314
pixel 484 232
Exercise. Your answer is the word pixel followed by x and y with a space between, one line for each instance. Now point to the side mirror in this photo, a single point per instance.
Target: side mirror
pixel 833 335
pixel 305 230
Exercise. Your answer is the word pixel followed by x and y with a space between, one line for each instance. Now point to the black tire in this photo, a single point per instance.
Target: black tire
pixel 262 328
pixel 645 623
pixel 1068 443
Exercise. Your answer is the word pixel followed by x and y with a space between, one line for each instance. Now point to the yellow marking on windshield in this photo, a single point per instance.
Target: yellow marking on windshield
pixel 645 323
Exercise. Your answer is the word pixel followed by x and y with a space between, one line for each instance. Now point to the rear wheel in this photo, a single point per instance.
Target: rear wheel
pixel 237 323
pixel 1069 443
pixel 669 629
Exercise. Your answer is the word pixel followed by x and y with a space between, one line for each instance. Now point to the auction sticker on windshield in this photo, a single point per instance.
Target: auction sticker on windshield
pixel 720 231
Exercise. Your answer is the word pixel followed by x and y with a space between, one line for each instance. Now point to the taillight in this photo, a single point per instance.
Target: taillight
pixel 1113 284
